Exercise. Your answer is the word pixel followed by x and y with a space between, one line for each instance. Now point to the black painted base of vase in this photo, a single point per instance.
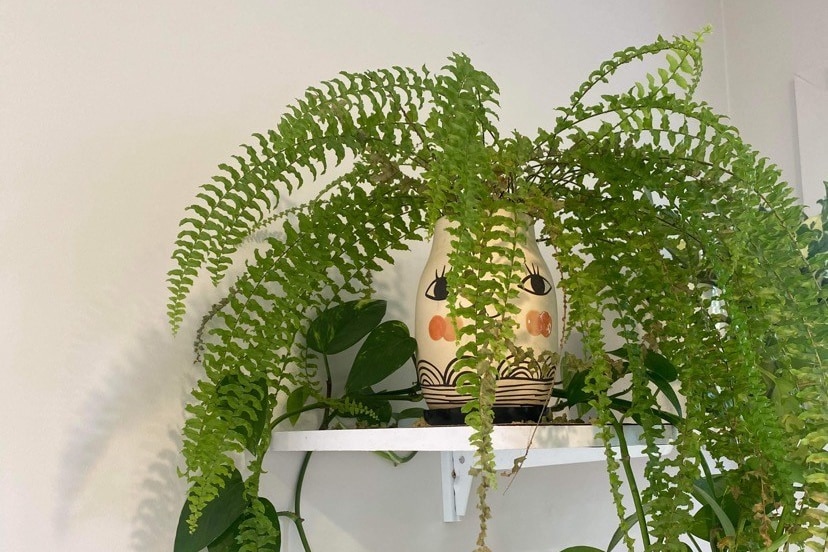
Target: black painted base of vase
pixel 502 415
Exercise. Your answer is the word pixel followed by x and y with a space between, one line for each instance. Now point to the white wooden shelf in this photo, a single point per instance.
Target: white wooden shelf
pixel 550 445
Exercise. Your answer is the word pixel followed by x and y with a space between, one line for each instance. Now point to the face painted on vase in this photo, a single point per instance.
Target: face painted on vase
pixel 537 307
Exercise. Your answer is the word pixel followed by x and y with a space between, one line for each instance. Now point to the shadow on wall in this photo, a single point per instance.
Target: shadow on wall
pixel 121 457
pixel 122 450
pixel 156 516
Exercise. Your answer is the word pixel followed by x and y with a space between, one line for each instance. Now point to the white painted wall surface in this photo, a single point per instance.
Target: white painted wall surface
pixel 111 115
pixel 768 44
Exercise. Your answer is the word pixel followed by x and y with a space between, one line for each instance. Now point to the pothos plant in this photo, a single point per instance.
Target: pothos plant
pixel 653 208
pixel 385 348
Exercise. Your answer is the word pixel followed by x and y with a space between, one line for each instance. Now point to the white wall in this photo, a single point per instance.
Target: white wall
pixel 768 44
pixel 111 115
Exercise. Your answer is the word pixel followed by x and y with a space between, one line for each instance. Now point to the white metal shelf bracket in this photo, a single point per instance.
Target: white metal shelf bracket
pixel 456 465
pixel 456 483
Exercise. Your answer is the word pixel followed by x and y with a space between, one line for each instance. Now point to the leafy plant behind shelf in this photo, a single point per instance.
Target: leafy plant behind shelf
pixel 237 517
pixel 654 207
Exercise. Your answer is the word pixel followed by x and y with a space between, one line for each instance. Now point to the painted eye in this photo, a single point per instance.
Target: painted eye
pixel 534 283
pixel 438 288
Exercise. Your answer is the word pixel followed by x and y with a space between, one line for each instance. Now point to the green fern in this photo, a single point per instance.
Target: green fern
pixel 654 207
pixel 345 116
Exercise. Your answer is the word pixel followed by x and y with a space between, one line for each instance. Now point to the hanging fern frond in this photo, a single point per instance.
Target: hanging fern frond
pixel 264 319
pixel 259 529
pixel 347 115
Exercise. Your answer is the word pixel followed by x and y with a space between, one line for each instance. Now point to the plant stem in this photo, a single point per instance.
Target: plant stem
pixel 297 501
pixel 695 542
pixel 395 458
pixel 636 495
pixel 783 519
pixel 300 478
pixel 297 521
pixel 287 415
pixel 328 380
pixel 408 394
pixel 290 515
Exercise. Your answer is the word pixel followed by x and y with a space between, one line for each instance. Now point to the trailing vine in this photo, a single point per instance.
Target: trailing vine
pixel 663 221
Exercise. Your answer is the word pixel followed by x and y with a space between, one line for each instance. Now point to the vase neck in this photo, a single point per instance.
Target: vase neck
pixel 443 224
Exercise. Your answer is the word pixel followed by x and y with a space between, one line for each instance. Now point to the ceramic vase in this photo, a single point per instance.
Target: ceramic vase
pixel 523 388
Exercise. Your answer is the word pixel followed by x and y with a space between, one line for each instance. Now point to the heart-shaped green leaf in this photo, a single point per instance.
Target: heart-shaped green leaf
pixel 385 350
pixel 343 325
pixel 296 400
pixel 620 352
pixel 227 541
pixel 215 519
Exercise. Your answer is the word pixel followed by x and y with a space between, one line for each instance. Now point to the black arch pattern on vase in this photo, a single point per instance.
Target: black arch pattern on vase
pixel 431 375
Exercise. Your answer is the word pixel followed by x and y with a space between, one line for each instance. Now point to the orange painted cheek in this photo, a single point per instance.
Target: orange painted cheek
pixel 545 321
pixel 436 328
pixel 539 323
pixel 532 322
pixel 449 334
pixel 440 327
